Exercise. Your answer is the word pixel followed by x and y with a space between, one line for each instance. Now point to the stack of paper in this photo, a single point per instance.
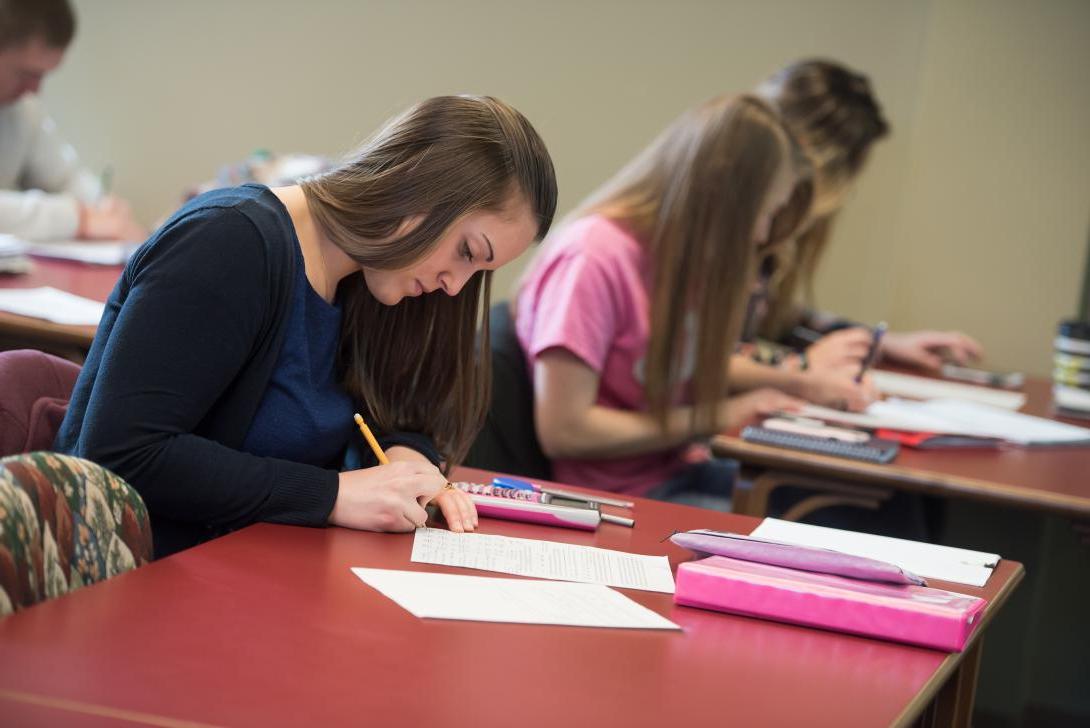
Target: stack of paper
pixel 587 604
pixel 957 417
pixel 13 255
pixel 906 385
pixel 51 304
pixel 85 251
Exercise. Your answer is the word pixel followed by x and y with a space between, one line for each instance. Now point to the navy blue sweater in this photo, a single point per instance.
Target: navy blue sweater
pixel 179 365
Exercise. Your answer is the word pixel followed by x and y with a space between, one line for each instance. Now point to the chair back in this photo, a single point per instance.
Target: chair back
pixel 508 441
pixel 34 391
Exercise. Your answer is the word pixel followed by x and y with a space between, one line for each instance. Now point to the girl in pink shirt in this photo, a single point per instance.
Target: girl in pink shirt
pixel 630 312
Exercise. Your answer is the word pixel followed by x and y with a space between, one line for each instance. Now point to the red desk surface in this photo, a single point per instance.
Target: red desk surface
pixel 1056 479
pixel 267 626
pixel 82 279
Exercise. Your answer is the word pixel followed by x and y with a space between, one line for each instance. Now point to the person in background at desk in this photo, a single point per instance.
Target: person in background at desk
pixel 628 314
pixel 248 329
pixel 836 119
pixel 44 193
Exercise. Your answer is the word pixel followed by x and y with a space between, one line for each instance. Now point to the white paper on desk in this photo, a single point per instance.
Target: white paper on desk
pixel 11 245
pixel 52 304
pixel 1011 426
pixel 925 559
pixel 957 417
pixel 543 559
pixel 522 601
pixel 906 385
pixel 13 258
pixel 85 251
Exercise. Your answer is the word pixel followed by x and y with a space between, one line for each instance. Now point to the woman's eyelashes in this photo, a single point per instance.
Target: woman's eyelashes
pixel 467 252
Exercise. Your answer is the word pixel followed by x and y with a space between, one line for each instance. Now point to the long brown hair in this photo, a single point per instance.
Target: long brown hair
pixel 416 366
pixel 833 113
pixel 693 198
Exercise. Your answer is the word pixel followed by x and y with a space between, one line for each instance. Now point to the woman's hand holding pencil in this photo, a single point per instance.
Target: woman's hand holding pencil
pixel 386 497
pixel 392 495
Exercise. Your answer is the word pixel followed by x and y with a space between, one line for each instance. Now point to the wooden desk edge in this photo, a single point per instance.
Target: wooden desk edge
pixel 889 474
pixel 953 661
pixel 33 329
pixel 96 710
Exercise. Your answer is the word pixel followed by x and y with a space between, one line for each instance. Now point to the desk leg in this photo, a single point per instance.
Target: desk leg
pixel 754 487
pixel 953 706
pixel 751 491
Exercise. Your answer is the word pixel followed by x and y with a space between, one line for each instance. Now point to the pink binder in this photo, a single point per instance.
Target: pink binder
pixel 584 519
pixel 917 615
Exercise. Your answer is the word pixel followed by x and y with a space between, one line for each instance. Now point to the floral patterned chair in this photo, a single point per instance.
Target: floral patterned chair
pixel 64 522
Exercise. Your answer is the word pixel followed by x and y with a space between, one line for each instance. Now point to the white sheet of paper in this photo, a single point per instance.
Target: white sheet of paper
pixel 11 245
pixel 543 559
pixel 957 417
pixel 522 601
pixel 51 304
pixel 906 385
pixel 878 415
pixel 85 251
pixel 1011 426
pixel 924 559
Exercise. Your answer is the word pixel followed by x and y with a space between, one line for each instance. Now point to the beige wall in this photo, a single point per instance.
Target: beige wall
pixel 995 217
pixel 166 92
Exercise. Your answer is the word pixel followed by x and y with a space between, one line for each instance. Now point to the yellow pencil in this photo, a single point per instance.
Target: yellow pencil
pixel 371 440
pixel 375 448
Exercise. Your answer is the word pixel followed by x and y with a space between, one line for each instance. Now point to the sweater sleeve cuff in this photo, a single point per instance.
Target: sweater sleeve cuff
pixel 421 443
pixel 301 495
pixel 36 215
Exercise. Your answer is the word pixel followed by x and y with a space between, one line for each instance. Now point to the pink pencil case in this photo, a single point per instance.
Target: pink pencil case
pixel 531 512
pixel 918 615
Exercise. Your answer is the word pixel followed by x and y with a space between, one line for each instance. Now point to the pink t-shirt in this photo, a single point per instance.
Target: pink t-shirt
pixel 588 294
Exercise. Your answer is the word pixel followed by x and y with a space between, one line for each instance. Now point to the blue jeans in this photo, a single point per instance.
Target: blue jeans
pixel 706 484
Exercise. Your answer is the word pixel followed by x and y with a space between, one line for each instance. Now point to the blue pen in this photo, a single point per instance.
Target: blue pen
pixel 872 353
pixel 513 484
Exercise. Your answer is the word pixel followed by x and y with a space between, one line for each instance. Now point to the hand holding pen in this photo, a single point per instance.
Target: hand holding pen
pixel 839 350
pixel 108 217
pixel 872 353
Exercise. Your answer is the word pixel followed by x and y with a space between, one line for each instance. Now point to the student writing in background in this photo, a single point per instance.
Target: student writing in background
pixel 44 193
pixel 247 330
pixel 629 313
pixel 836 119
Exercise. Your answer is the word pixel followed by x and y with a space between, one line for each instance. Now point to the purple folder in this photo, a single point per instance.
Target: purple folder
pixel 803 558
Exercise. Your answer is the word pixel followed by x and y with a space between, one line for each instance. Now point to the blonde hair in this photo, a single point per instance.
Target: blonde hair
pixel 833 113
pixel 416 366
pixel 693 198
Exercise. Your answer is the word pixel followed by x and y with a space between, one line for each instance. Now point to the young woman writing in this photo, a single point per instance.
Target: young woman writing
pixel 246 331
pixel 630 311
pixel 833 113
